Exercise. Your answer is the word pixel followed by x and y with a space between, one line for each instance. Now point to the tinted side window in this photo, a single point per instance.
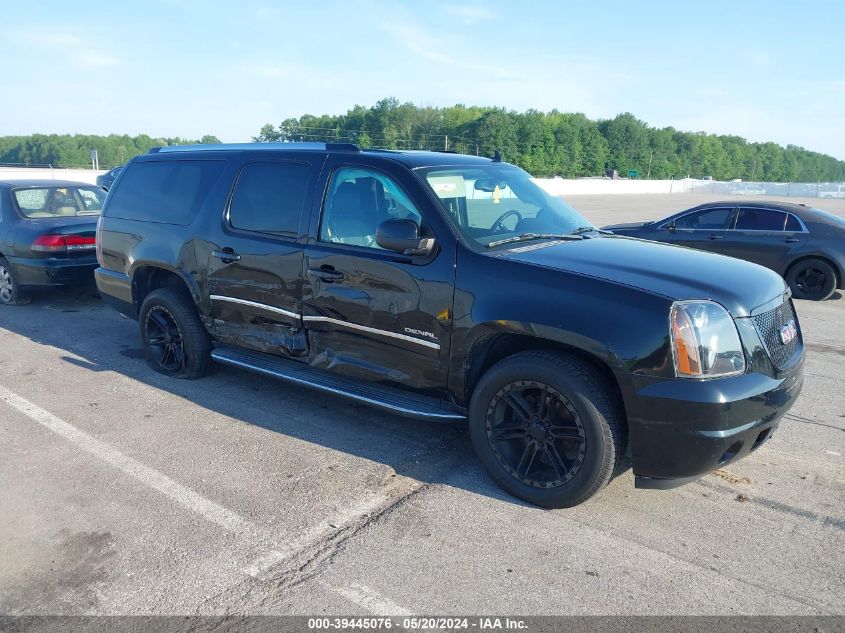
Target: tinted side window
pixel 792 223
pixel 709 220
pixel 760 220
pixel 269 197
pixel 168 192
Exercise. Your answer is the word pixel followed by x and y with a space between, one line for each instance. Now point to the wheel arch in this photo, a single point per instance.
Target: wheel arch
pixel 495 346
pixel 146 278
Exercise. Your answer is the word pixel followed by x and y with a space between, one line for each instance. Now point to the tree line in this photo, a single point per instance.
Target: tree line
pixel 544 143
pixel 560 143
pixel 66 150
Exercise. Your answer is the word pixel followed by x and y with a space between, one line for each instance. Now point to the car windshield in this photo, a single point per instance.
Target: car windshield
pixel 54 202
pixel 492 203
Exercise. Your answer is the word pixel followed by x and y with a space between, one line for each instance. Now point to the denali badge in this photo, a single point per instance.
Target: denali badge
pixel 788 332
pixel 410 330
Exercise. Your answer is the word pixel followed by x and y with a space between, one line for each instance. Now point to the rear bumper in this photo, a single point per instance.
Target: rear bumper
pixel 116 290
pixel 34 273
pixel 683 429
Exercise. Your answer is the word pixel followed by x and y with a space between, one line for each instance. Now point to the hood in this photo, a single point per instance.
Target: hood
pixel 626 225
pixel 672 271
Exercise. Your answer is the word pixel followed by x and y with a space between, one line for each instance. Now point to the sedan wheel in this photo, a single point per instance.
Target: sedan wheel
pixel 812 279
pixel 10 293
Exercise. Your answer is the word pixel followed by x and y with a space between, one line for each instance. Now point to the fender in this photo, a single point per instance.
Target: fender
pixel 555 309
pixel 161 258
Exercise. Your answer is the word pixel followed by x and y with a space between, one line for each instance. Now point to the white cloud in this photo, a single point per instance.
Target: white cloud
pixel 74 49
pixel 95 59
pixel 471 13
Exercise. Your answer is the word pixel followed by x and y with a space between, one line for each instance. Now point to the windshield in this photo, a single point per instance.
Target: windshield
pixel 56 202
pixel 491 203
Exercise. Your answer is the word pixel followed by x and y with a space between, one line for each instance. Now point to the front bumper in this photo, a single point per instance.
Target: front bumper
pixel 683 429
pixel 33 273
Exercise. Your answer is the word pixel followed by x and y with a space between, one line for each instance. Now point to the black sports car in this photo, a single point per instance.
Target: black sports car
pixel 47 235
pixel 803 244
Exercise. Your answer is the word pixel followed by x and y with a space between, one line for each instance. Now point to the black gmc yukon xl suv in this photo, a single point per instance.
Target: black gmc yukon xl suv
pixel 452 287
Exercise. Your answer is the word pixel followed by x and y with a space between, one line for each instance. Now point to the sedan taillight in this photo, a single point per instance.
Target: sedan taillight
pixel 50 243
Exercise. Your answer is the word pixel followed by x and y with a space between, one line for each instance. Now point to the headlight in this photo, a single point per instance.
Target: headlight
pixel 705 342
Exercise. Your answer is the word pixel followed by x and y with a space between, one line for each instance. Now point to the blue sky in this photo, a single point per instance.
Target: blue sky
pixel 764 70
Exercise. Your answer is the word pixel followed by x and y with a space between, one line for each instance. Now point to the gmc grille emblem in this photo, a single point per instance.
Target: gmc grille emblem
pixel 788 332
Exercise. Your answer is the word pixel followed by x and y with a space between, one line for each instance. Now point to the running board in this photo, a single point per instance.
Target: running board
pixel 387 398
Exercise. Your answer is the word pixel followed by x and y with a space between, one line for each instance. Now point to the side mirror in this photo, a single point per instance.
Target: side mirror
pixel 670 226
pixel 403 236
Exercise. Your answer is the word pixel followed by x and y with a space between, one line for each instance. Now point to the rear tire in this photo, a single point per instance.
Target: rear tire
pixel 812 279
pixel 174 340
pixel 548 428
pixel 10 291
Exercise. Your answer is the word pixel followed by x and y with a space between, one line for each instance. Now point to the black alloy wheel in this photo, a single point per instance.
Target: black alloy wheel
pixel 164 340
pixel 812 279
pixel 536 434
pixel 174 339
pixel 548 427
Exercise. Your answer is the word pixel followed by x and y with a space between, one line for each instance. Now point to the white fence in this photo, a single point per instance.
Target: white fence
pixel 28 173
pixel 602 186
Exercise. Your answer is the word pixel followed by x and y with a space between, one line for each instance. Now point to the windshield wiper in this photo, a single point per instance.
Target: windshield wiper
pixel 534 236
pixel 588 229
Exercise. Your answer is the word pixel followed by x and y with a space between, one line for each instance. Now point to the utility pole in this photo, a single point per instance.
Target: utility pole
pixel 446 147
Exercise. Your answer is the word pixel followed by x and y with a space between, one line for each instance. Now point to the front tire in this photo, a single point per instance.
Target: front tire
pixel 174 340
pixel 548 428
pixel 812 279
pixel 10 290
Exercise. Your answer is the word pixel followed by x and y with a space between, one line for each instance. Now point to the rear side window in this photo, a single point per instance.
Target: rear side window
pixel 792 224
pixel 269 197
pixel 167 192
pixel 760 220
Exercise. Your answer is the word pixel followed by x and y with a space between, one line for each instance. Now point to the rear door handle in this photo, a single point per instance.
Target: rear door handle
pixel 792 240
pixel 715 237
pixel 326 274
pixel 227 255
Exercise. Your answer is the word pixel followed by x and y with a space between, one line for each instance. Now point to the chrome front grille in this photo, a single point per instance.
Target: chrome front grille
pixel 769 325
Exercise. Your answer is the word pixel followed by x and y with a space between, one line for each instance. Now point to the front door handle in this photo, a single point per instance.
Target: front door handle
pixel 227 255
pixel 792 240
pixel 327 274
pixel 715 237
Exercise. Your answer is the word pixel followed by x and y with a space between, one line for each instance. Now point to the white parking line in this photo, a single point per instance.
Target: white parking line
pixel 148 476
pixel 370 600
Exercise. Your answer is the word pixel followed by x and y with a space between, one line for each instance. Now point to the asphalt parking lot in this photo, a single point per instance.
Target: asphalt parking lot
pixel 123 492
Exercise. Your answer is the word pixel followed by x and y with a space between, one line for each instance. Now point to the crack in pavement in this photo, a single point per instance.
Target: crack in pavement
pixel 265 585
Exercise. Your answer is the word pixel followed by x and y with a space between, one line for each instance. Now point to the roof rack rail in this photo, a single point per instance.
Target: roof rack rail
pixel 216 147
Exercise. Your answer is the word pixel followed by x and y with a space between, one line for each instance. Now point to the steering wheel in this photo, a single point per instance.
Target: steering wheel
pixel 499 227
